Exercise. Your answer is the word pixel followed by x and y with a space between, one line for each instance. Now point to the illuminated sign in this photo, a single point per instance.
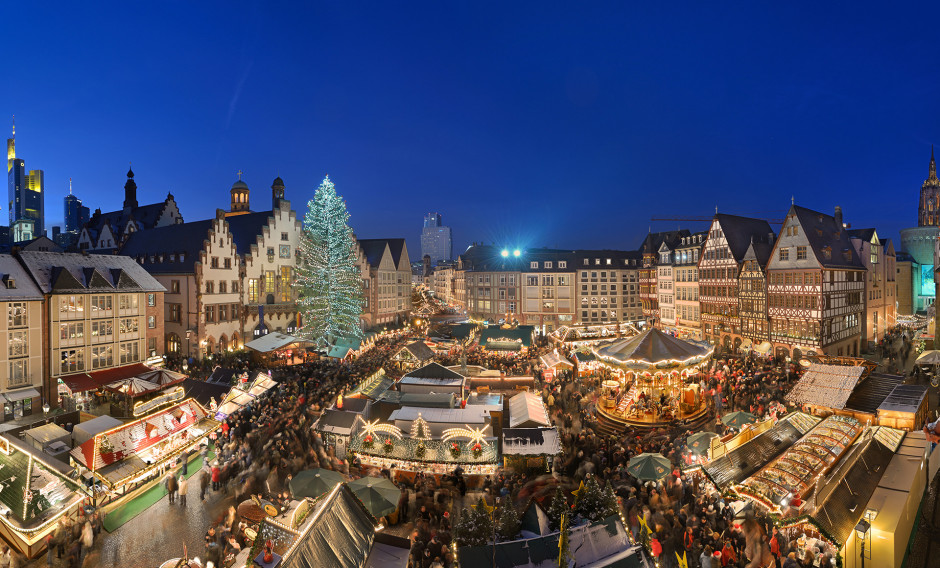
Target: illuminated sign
pixel 170 397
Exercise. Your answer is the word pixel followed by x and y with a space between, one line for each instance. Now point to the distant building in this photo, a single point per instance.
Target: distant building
pixel 109 231
pixel 881 294
pixel 919 242
pixel 436 240
pixel 24 190
pixel 386 282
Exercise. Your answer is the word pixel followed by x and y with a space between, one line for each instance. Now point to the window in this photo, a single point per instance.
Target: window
pixel 253 290
pixel 71 331
pixel 104 329
pixel 16 314
pixel 19 374
pixel 101 306
pixel 214 262
pixel 562 264
pixel 784 254
pixel 284 236
pixel 234 311
pixel 285 284
pixel 210 287
pixel 71 307
pixel 102 357
pixel 548 264
pixel 174 286
pixel 228 263
pixel 268 281
pixel 127 325
pixel 283 251
pixel 175 313
pixel 234 286
pixel 130 352
pixel 800 253
pixel 533 264
pixel 151 322
pixel 151 346
pixel 151 300
pixel 127 301
pixel 270 254
pixel 210 314
pixel 71 360
pixel 18 344
pixel 222 286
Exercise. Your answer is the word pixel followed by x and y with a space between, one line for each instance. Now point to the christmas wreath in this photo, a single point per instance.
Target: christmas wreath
pixel 454 450
pixel 367 441
pixel 420 450
pixel 388 446
pixel 477 450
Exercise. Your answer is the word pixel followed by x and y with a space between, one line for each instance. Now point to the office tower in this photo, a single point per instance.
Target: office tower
pixel 76 215
pixel 24 190
pixel 436 239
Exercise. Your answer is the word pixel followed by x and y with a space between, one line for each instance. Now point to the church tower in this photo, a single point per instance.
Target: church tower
pixel 239 197
pixel 277 192
pixel 928 214
pixel 130 192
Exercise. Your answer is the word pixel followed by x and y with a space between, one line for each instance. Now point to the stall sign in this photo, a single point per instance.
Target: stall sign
pixel 146 407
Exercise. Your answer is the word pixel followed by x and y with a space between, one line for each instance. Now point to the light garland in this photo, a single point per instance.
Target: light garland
pixel 372 429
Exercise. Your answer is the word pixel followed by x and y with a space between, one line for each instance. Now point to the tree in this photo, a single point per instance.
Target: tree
pixel 475 527
pixel 590 504
pixel 558 507
pixel 509 523
pixel 611 504
pixel 328 279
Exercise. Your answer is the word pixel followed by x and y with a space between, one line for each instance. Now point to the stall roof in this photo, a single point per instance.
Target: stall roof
pixel 553 359
pixel 418 350
pixel 337 422
pixel 826 385
pixel 81 382
pixel 375 386
pixel 342 346
pixel 871 392
pixel 530 442
pixel 507 339
pixel 469 415
pixel 340 534
pixel 432 371
pixel 87 430
pixel 47 433
pixel 273 341
pixel 905 398
pixel 651 347
pixel 431 400
pixel 528 408
pixel 204 391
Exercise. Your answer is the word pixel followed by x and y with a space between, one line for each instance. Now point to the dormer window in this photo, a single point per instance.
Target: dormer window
pixel 9 282
pixel 827 253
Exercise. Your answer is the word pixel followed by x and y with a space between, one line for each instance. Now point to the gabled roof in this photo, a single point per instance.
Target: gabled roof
pixel 145 215
pixel 246 228
pixel 433 371
pixel 822 231
pixel 396 246
pixel 63 271
pixel 653 241
pixel 186 238
pixel 25 288
pixel 372 249
pixel 419 350
pixel 739 231
pixel 865 234
pixel 759 251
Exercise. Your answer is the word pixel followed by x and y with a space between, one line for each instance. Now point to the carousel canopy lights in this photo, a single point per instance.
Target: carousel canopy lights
pixel 652 349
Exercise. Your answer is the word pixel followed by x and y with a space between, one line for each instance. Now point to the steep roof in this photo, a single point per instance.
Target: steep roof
pixel 738 232
pixel 145 215
pixel 759 251
pixel 653 241
pixel 25 288
pixel 433 371
pixel 63 271
pixel 864 234
pixel 187 238
pixel 822 231
pixel 373 249
pixel 246 228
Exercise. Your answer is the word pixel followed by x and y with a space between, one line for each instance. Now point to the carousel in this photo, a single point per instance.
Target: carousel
pixel 649 385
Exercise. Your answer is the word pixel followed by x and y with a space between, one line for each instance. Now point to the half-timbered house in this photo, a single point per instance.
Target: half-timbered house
pixel 649 297
pixel 815 286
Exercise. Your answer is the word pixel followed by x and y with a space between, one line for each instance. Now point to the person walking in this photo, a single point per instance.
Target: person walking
pixel 203 484
pixel 183 488
pixel 216 476
pixel 88 539
pixel 172 486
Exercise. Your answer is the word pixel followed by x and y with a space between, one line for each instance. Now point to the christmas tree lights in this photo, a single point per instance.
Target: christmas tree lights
pixel 328 279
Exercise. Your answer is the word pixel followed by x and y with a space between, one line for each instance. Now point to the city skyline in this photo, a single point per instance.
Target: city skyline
pixel 617 124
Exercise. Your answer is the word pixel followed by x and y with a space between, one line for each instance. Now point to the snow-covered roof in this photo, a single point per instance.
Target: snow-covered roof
pixel 527 407
pixel 469 415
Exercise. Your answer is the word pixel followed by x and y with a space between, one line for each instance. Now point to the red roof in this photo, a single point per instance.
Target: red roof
pixel 80 382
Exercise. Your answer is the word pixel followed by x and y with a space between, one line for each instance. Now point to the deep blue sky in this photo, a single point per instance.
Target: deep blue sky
pixel 540 124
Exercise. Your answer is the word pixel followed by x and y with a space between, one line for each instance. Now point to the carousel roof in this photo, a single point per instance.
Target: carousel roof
pixel 652 347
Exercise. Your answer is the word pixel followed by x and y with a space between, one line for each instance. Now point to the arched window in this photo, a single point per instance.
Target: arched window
pixel 173 343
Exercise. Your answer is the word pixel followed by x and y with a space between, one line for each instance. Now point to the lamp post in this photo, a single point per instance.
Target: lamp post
pixel 45 412
pixel 862 530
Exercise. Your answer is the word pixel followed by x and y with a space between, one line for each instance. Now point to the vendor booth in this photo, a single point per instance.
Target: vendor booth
pixel 277 348
pixel 412 355
pixel 553 363
pixel 653 370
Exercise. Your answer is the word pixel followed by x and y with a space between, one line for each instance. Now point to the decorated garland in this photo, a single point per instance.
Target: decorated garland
pixel 454 450
pixel 368 441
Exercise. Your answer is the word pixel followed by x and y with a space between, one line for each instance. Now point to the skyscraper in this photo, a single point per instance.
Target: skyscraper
pixel 76 215
pixel 436 239
pixel 25 191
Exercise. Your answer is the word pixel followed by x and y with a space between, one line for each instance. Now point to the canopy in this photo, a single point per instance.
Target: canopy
pixel 738 419
pixel 653 348
pixel 273 341
pixel 551 360
pixel 826 385
pixel 929 357
pixel 314 482
pixel 765 347
pixel 133 386
pixel 162 377
pixel 700 442
pixel 649 467
pixel 379 495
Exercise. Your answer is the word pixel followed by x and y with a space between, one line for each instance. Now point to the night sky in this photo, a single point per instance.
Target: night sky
pixel 524 124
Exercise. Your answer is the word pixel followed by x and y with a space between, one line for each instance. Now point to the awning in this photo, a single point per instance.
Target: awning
pixel 81 382
pixel 21 395
pixel 553 359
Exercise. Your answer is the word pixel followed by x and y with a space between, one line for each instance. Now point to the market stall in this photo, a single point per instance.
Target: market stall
pixel 530 448
pixel 554 362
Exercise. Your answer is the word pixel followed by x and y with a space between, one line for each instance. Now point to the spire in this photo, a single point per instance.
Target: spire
pixel 933 165
pixel 130 193
pixel 70 186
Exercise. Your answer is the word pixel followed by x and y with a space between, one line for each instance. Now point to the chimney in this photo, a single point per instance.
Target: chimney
pixel 838 217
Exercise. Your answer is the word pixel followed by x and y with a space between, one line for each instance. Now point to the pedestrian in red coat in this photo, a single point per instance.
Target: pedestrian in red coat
pixel 216 477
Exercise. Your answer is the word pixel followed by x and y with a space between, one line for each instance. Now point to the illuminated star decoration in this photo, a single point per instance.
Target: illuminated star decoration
pixel 577 492
pixel 371 428
pixel 474 435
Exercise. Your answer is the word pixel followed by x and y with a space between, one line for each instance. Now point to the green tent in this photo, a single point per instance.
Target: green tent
pixel 649 467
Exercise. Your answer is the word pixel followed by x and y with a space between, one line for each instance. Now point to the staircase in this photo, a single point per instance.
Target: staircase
pixel 626 400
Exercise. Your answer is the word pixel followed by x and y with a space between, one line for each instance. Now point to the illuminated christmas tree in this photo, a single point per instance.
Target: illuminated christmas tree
pixel 328 280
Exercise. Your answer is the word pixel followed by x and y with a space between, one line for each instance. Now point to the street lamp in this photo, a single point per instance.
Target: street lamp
pixel 861 532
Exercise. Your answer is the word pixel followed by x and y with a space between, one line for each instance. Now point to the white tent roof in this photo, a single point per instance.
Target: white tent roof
pixel 826 385
pixel 527 407
pixel 272 342
pixel 85 431
pixel 555 360
pixel 471 415
pixel 929 357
